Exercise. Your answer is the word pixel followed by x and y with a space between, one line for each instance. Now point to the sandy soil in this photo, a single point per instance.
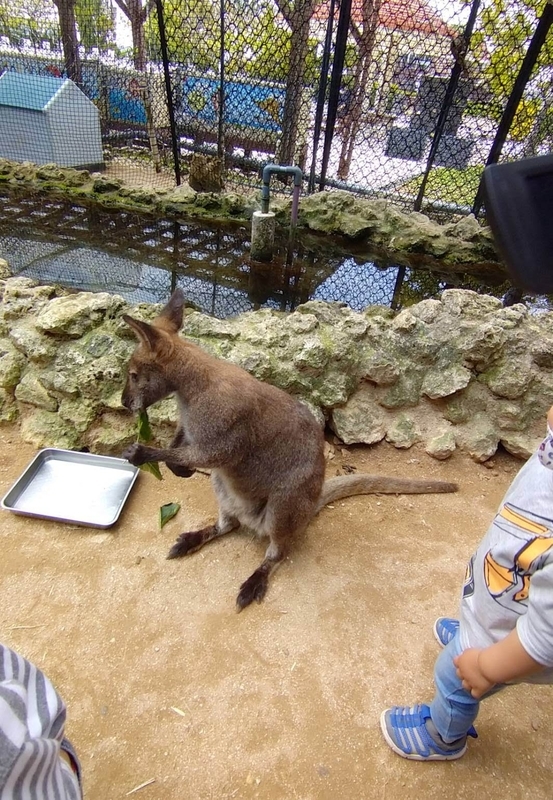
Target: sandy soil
pixel 166 683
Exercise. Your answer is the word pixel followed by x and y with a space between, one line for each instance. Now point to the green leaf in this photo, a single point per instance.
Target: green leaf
pixel 145 435
pixel 167 512
pixel 153 468
pixel 144 430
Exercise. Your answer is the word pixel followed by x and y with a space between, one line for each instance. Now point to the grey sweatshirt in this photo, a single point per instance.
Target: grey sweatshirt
pixel 509 580
pixel 32 720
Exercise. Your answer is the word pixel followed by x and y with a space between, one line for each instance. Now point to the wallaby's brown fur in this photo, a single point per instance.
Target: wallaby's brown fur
pixel 264 447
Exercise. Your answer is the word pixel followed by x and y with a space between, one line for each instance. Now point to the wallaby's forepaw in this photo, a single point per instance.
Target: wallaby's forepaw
pixel 179 471
pixel 136 454
pixel 187 543
pixel 254 588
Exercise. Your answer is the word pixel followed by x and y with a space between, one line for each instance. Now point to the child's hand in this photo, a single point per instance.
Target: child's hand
pixel 468 669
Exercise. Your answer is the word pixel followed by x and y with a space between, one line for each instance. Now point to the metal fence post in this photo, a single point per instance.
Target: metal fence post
pixel 169 90
pixel 448 100
pixel 335 84
pixel 321 97
pixel 221 120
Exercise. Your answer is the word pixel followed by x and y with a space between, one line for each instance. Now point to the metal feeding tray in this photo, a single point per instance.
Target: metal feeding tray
pixel 67 486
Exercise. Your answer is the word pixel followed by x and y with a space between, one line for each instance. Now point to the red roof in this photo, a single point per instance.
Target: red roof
pixel 405 15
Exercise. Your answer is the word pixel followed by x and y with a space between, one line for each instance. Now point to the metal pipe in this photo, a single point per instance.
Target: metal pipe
pixel 295 206
pixel 263 222
pixel 276 169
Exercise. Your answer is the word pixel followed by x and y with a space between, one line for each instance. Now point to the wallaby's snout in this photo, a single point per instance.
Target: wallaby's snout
pixel 129 398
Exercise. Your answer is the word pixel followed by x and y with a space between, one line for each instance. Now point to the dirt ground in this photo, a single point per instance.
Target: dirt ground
pixel 166 685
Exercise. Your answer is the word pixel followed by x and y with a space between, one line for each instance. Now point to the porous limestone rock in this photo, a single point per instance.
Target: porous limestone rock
pixel 441 446
pixel 458 371
pixel 75 314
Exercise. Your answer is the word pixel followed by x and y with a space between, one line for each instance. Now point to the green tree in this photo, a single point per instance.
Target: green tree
pixel 96 23
pixel 192 29
pixel 503 32
pixel 297 15
pixel 364 35
pixel 31 20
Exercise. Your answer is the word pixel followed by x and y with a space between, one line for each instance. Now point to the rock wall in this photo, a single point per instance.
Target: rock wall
pixel 456 372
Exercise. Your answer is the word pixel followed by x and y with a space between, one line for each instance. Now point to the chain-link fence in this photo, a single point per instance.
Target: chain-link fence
pixel 404 99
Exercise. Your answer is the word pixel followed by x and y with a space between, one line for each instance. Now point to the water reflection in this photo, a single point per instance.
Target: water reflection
pixel 144 259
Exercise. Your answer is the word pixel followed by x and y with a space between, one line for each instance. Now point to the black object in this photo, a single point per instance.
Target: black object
pixel 453 152
pixel 519 209
pixel 405 143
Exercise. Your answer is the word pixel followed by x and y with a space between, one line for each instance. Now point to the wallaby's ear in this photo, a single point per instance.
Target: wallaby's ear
pixel 170 318
pixel 146 333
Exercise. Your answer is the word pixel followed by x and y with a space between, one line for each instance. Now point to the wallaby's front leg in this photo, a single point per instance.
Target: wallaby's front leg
pixel 179 440
pixel 191 541
pixel 186 456
pixel 139 454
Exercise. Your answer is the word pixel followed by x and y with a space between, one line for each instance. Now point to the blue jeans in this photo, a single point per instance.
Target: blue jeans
pixel 453 709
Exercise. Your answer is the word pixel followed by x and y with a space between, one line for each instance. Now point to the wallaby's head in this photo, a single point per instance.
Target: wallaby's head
pixel 149 370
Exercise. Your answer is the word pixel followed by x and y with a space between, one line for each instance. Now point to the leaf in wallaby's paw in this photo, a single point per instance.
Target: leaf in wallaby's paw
pixel 167 512
pixel 145 435
pixel 153 468
pixel 144 430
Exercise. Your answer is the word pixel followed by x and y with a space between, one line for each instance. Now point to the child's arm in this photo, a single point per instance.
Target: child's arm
pixel 502 662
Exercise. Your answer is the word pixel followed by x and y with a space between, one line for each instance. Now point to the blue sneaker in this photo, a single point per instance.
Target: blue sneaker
pixel 445 629
pixel 410 732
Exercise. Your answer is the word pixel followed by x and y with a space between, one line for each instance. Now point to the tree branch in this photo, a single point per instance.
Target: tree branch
pixel 285 9
pixel 148 8
pixel 124 8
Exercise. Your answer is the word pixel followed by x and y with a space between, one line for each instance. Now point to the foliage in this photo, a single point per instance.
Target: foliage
pixel 192 30
pixel 31 20
pixel 504 30
pixel 37 21
pixel 255 44
pixel 448 185
pixel 96 21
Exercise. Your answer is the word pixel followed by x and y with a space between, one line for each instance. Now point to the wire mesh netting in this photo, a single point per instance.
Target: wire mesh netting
pixel 404 99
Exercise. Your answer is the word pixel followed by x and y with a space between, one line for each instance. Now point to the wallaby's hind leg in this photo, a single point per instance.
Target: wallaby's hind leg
pixel 255 587
pixel 191 541
pixel 281 523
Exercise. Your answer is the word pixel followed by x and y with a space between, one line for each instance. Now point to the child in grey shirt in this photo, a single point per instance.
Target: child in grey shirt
pixel 505 631
pixel 37 762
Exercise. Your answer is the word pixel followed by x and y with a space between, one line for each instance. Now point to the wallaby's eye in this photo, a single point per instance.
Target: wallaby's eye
pixel 133 376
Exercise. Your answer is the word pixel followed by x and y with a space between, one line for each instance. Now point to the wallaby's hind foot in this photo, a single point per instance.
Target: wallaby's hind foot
pixel 254 588
pixel 191 541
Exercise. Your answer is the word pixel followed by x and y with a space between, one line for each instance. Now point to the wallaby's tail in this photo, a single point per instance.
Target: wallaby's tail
pixel 348 485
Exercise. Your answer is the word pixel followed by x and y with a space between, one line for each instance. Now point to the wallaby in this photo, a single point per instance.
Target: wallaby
pixel 264 447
